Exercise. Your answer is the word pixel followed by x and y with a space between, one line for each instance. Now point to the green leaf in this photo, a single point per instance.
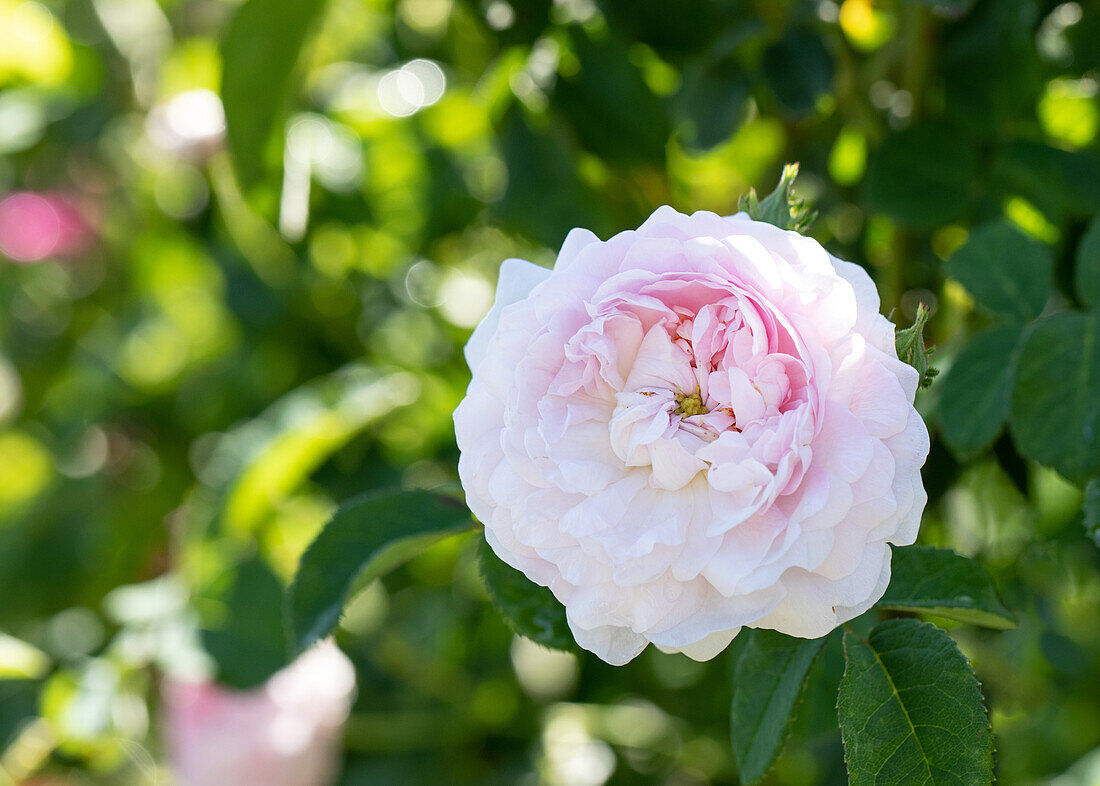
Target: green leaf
pixel 713 102
pixel 267 458
pixel 544 198
pixel 366 538
pixel 799 70
pixel 910 346
pixel 953 6
pixel 608 103
pixel 1059 182
pixel 911 710
pixel 780 208
pixel 1006 271
pixel 1055 412
pixel 921 176
pixel 993 62
pixel 259 51
pixel 529 609
pixel 249 643
pixel 1092 509
pixel 1087 277
pixel 18 704
pixel 975 393
pixel 767 684
pixel 939 581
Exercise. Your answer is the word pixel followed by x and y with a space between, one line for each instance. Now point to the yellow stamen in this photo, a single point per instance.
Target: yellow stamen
pixel 688 405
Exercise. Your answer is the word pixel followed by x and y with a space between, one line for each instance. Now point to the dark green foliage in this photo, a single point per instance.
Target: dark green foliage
pixel 922 175
pixel 18 705
pixel 1062 183
pixel 1087 278
pixel 609 105
pixel 1092 509
pixel 542 162
pixel 941 582
pixel 767 683
pixel 713 102
pixel 249 643
pixel 529 609
pixel 1055 408
pixel 799 70
pixel 1006 271
pixel 975 393
pixel 365 539
pixel 911 709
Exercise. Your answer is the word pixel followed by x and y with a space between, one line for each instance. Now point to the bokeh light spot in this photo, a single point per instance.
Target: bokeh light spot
pixel 25 468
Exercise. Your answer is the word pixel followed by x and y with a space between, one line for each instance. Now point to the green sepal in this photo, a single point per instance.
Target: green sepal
pixel 911 348
pixel 780 208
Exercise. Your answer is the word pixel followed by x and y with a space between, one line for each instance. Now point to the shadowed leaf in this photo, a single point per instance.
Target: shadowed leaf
pixel 529 609
pixel 767 683
pixel 941 582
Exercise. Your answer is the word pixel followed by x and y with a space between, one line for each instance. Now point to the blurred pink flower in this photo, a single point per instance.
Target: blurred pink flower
pixel 285 733
pixel 36 226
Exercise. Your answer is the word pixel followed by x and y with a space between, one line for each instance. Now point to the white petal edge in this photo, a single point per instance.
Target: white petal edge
pixel 517 279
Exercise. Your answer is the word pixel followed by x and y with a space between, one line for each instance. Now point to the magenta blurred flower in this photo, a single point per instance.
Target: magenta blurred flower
pixel 36 226
pixel 285 733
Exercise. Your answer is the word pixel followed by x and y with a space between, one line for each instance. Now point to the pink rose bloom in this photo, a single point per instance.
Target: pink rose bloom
pixel 689 428
pixel 286 733
pixel 35 226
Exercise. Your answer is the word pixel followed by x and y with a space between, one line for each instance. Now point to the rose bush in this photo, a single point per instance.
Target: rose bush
pixel 692 427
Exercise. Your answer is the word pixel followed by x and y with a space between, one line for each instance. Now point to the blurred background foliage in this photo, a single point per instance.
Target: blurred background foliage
pixel 209 339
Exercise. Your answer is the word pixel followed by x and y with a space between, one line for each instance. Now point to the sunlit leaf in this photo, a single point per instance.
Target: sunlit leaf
pixel 911 710
pixel 20 660
pixel 259 52
pixel 264 460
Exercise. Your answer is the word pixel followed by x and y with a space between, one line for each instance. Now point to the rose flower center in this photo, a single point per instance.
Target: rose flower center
pixel 688 405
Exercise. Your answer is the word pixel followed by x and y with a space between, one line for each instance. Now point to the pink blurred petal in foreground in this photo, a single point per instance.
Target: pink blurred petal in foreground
pixel 285 733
